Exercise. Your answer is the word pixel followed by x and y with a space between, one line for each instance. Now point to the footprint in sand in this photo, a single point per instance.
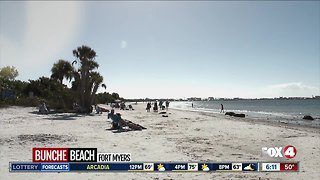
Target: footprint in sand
pixel 219 155
pixel 235 154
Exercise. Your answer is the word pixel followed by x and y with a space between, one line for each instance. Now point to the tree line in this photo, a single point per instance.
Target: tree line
pixel 81 73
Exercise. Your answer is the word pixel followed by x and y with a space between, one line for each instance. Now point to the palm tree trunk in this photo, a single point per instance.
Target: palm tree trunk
pixel 83 79
pixel 94 91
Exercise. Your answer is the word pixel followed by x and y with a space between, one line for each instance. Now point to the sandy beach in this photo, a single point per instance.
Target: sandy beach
pixel 182 136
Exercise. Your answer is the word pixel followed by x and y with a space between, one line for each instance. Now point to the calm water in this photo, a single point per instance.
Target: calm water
pixel 289 111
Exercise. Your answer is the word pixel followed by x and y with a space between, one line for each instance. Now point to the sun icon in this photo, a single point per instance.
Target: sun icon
pixel 161 167
pixel 205 167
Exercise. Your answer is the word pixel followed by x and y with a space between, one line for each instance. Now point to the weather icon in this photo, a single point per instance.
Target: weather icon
pixel 161 168
pixel 205 167
pixel 249 167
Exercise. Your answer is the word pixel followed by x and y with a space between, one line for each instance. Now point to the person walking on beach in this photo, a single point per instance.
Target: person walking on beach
pixel 192 105
pixel 167 104
pixel 148 107
pixel 222 109
pixel 155 107
pixel 160 105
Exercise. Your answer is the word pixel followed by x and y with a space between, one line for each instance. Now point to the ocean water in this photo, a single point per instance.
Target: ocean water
pixel 285 111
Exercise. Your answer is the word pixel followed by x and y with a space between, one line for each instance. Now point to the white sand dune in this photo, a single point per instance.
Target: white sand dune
pixel 183 136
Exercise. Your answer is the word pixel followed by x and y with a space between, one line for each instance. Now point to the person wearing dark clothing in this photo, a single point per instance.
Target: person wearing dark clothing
pixel 148 107
pixel 167 104
pixel 160 105
pixel 222 109
pixel 155 107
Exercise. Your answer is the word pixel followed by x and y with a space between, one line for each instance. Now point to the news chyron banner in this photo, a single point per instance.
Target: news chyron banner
pixel 89 160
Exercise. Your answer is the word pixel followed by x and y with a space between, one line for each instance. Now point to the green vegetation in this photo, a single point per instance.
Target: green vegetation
pixel 8 73
pixel 102 98
pixel 81 73
pixel 86 79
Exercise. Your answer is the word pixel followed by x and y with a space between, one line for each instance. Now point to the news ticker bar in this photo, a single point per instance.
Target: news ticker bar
pixel 155 167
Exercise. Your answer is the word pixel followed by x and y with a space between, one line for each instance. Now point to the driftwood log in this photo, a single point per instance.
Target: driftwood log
pixel 235 114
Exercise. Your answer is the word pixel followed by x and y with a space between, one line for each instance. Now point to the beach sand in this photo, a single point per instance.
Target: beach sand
pixel 183 136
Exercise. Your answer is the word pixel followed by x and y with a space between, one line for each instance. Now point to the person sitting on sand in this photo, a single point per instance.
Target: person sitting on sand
pixel 122 106
pixel 98 109
pixel 118 123
pixel 116 120
pixel 116 105
pixel 130 124
pixel 43 108
pixel 76 107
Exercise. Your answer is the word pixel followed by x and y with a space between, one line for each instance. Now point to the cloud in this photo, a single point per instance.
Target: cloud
pixel 292 86
pixel 249 167
pixel 206 169
pixel 124 44
pixel 162 169
pixel 293 89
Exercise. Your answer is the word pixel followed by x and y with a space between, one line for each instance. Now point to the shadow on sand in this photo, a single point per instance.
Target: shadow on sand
pixel 63 117
pixel 56 116
pixel 123 130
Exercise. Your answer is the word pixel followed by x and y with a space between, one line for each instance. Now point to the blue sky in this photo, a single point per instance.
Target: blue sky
pixel 172 49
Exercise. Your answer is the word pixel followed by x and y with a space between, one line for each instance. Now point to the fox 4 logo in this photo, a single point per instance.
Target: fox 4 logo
pixel 289 152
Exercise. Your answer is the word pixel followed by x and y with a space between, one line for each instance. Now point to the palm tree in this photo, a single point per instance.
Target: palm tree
pixel 104 86
pixel 95 81
pixel 87 80
pixel 62 69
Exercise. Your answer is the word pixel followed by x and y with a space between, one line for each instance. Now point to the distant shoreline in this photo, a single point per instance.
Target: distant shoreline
pixel 219 99
pixel 270 111
pixel 256 120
